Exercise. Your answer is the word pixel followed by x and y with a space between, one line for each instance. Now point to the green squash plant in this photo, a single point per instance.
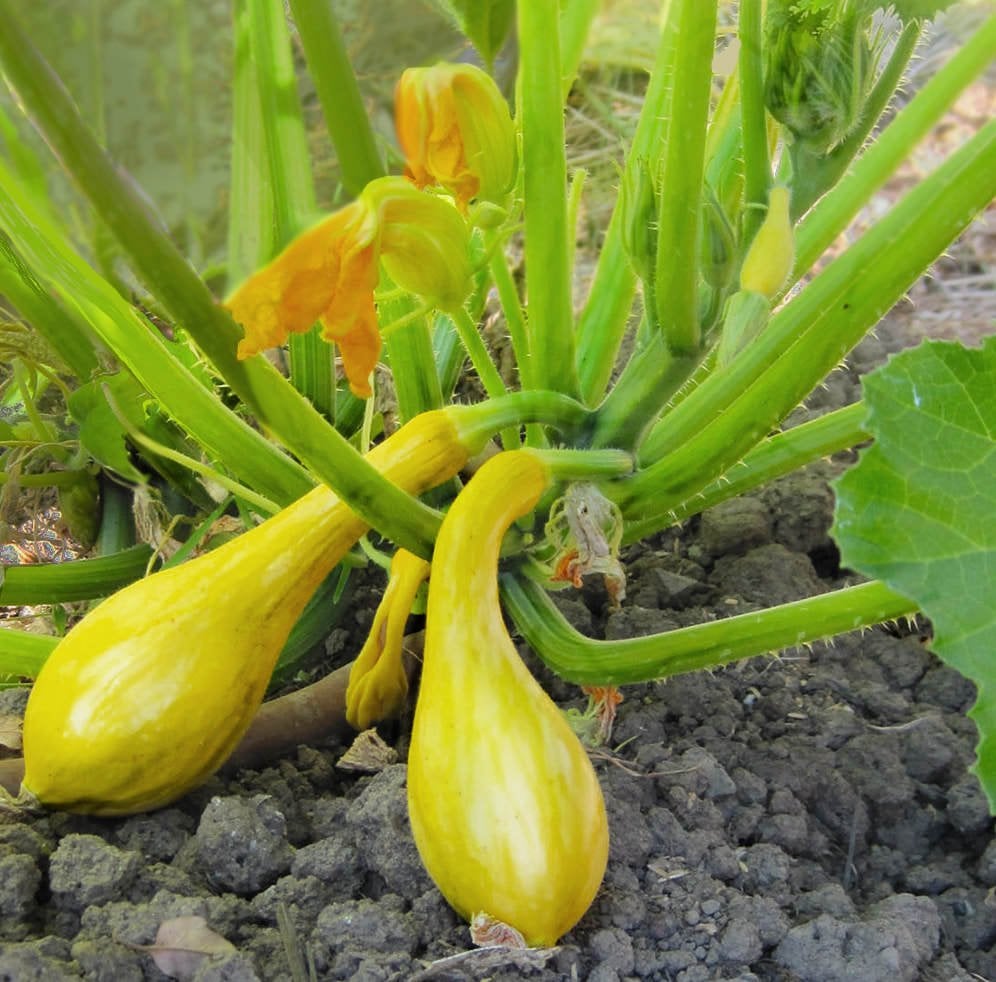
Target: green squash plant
pixel 731 193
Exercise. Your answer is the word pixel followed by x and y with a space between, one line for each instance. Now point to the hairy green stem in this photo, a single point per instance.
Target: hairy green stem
pixel 515 318
pixel 651 377
pixel 290 186
pixel 585 661
pixel 754 126
pixel 781 454
pixel 409 353
pixel 548 272
pixel 605 315
pixel 586 465
pixel 252 228
pixel 575 22
pixel 567 416
pixel 676 276
pixel 117 520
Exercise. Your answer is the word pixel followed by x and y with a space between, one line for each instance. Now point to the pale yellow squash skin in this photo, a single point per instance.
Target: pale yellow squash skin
pixel 152 690
pixel 504 803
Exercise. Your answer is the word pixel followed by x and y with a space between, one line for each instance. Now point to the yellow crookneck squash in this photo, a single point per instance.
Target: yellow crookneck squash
pixel 505 806
pixel 152 690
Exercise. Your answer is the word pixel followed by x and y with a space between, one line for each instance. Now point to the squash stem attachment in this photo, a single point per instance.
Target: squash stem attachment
pixel 479 422
pixel 586 465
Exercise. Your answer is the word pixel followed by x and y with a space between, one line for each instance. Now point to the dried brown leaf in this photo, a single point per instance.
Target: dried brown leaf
pixel 368 754
pixel 183 944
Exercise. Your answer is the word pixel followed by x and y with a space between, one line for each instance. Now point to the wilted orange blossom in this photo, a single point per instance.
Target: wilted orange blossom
pixel 329 273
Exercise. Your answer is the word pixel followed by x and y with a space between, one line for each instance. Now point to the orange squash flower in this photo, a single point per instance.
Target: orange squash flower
pixel 456 131
pixel 329 273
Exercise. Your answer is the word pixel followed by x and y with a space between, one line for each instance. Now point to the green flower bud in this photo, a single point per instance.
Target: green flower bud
pixel 819 64
pixel 638 201
pixel 719 243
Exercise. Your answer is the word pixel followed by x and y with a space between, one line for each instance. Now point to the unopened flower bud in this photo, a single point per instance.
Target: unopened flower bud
pixel 455 130
pixel 819 63
pixel 638 201
pixel 719 246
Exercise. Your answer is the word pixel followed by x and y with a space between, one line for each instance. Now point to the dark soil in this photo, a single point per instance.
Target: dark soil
pixel 802 817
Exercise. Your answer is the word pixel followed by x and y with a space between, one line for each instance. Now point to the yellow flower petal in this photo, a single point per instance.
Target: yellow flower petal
pixel 328 272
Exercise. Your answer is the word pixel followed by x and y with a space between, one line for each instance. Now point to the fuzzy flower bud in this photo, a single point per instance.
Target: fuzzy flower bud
pixel 819 65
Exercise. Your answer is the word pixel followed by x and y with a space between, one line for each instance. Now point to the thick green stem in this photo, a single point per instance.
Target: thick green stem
pixel 478 353
pixel 338 92
pixel 605 315
pixel 575 22
pixel 548 272
pixel 515 318
pixel 586 465
pixel 754 127
pixel 82 579
pixel 117 520
pixel 567 416
pixel 651 377
pixel 413 365
pixel 779 455
pixel 579 659
pixel 252 229
pixel 448 353
pixel 480 358
pixel 879 161
pixel 290 186
pixel 285 139
pixel 676 277
pixel 735 407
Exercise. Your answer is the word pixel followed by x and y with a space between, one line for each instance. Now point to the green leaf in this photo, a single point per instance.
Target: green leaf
pixel 101 432
pixel 485 22
pixel 918 509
